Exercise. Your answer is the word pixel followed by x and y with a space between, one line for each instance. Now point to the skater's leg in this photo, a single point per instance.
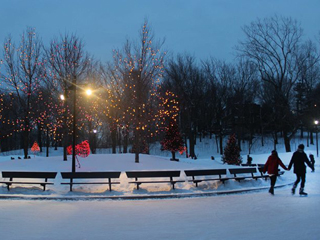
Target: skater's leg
pixel 273 180
pixel 303 180
pixel 297 181
pixel 295 184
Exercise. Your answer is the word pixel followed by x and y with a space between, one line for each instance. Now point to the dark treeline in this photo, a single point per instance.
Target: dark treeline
pixel 270 89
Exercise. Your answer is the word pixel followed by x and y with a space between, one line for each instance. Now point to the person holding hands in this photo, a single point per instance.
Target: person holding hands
pixel 272 167
pixel 298 160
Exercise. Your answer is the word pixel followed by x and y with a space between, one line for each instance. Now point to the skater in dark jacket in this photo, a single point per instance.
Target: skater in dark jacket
pixel 298 160
pixel 272 166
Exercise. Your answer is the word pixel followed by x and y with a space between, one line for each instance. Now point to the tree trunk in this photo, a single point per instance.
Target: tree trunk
pixel 65 154
pixel 217 143
pixel 47 143
pixel 114 139
pixel 125 142
pixel 173 156
pixel 239 143
pixel 26 138
pixel 119 140
pixel 221 144
pixel 137 145
pixel 192 144
pixel 187 150
pixel 39 137
pixel 26 143
pixel 286 142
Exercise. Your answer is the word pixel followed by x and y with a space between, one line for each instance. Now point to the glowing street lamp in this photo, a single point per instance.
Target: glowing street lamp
pixel 62 97
pixel 88 92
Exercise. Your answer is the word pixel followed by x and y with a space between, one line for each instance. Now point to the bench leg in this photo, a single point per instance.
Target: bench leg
pixel 173 185
pixel 8 186
pixel 138 186
pixel 70 187
pixel 109 185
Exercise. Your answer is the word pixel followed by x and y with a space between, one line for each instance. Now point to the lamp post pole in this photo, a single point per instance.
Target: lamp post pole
pixel 316 122
pixel 74 128
pixel 74 121
pixel 317 143
pixel 94 141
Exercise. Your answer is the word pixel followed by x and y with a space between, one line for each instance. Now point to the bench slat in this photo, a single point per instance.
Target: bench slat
pixel 206 172
pixel 154 174
pixel 68 183
pixel 140 182
pixel 90 175
pixel 242 170
pixel 11 174
pixel 68 175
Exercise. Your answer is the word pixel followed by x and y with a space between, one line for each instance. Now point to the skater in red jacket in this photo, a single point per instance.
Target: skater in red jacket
pixel 272 166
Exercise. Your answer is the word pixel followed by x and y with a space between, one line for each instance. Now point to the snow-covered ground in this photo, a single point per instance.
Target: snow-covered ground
pixel 249 215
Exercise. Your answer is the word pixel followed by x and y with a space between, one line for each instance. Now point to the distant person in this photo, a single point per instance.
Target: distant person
pixel 272 166
pixel 312 160
pixel 298 159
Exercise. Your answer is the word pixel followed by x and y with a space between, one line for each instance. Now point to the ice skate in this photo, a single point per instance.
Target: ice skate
pixel 302 193
pixel 271 191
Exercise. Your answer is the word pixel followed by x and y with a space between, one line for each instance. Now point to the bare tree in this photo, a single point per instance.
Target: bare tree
pixel 308 79
pixel 221 78
pixel 184 77
pixel 138 67
pixel 273 44
pixel 113 83
pixel 23 75
pixel 67 63
pixel 244 93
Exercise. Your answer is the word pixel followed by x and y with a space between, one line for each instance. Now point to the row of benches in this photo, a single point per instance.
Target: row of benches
pixel 196 176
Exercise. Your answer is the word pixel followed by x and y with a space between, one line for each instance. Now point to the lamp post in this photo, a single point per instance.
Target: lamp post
pixel 74 120
pixel 316 122
pixel 94 141
pixel 74 134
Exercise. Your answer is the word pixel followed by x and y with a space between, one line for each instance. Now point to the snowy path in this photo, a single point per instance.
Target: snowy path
pixel 247 216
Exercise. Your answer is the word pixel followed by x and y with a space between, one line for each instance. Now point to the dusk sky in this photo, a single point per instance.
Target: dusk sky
pixel 202 28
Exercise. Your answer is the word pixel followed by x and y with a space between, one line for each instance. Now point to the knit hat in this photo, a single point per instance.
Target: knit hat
pixel 301 146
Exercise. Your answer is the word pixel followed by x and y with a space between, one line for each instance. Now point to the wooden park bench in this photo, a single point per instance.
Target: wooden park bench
pixel 248 165
pixel 90 175
pixel 29 175
pixel 206 172
pixel 154 174
pixel 241 171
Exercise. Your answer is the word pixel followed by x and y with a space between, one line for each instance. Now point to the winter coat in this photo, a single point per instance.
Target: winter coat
pixel 272 165
pixel 298 159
